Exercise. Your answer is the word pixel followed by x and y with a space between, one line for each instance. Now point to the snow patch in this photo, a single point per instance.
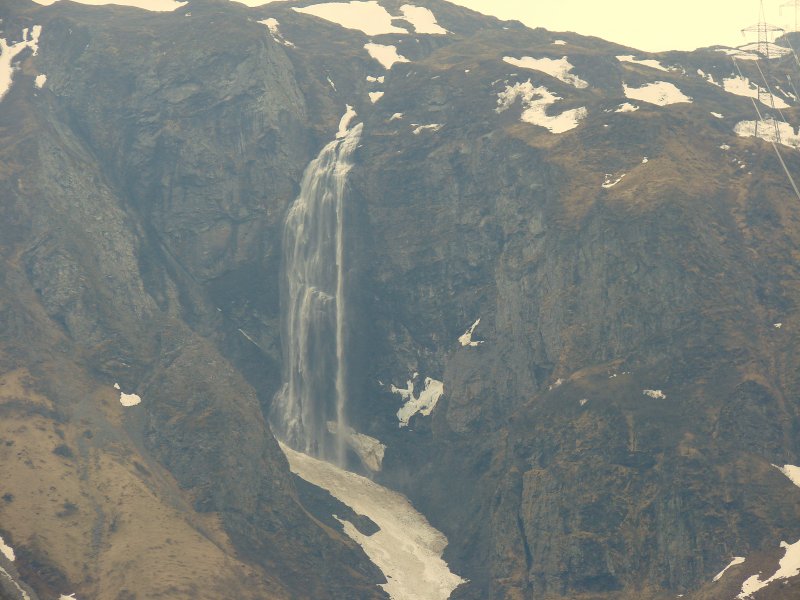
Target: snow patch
pixel 559 43
pixel 660 93
pixel 67 597
pixel 375 96
pixel 791 471
pixel 40 80
pixel 423 404
pixel 724 147
pixel 789 566
pixel 406 548
pixel 422 20
pixel 9 52
pixel 396 116
pixel 372 79
pixel 778 326
pixel 272 24
pixel 766 131
pixel 610 182
pixel 742 86
pixel 535 101
pixel 645 160
pixel 657 394
pixel 584 401
pixel 466 338
pixel 434 127
pixel 653 64
pixel 559 68
pixel 626 107
pixel 368 17
pixel 737 560
pixel 386 55
pixel 7 550
pixel 718 115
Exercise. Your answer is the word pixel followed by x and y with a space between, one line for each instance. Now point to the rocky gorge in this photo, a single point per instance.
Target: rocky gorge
pixel 585 301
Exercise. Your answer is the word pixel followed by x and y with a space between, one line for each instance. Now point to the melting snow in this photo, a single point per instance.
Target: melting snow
pixel 375 96
pixel 423 404
pixel 127 399
pixel 741 86
pixel 653 64
pixel 40 80
pixel 6 550
pixel 396 116
pixel 368 17
pixel 9 52
pixel 422 19
pixel 792 472
pixel 386 55
pixel 778 326
pixel 372 79
pixel 535 101
pixel 466 338
pixel 406 548
pixel 559 68
pixel 369 449
pixel 766 131
pixel 645 160
pixel 560 43
pixel 420 128
pixel 67 597
pixel 584 401
pixel 789 566
pixel 718 115
pixel 272 25
pixel 627 107
pixel 658 394
pixel 660 93
pixel 737 560
pixel 609 182
pixel 724 147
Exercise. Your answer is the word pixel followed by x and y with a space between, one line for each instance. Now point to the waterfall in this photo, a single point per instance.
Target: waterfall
pixel 311 404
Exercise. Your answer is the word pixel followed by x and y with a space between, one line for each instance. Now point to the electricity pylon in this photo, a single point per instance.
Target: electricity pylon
pixel 765 31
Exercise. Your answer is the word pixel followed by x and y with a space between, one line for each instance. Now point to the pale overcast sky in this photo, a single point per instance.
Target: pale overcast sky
pixel 654 26
pixel 666 25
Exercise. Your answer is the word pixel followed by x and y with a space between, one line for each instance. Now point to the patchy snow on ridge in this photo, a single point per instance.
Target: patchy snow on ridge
pixel 657 394
pixel 653 64
pixel 406 548
pixel 559 43
pixel 127 399
pixel 742 86
pixel 737 560
pixel 660 93
pixel 372 79
pixel 717 115
pixel 375 96
pixel 272 24
pixel 386 55
pixel 535 101
pixel 789 566
pixel 555 67
pixel 422 19
pixel 7 550
pixel 422 404
pixel 466 338
pixel 396 116
pixel 40 81
pixel 766 131
pixel 791 471
pixel 368 17
pixel 22 593
pixel 9 52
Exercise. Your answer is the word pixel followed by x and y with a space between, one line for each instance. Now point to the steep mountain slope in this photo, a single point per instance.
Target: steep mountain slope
pixel 607 429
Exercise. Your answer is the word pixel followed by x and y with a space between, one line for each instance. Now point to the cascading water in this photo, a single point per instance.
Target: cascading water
pixel 313 312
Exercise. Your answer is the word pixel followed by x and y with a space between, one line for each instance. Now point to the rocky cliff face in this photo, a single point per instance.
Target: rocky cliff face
pixel 609 429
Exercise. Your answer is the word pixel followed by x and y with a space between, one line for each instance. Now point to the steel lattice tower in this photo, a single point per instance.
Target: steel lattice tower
pixel 765 31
